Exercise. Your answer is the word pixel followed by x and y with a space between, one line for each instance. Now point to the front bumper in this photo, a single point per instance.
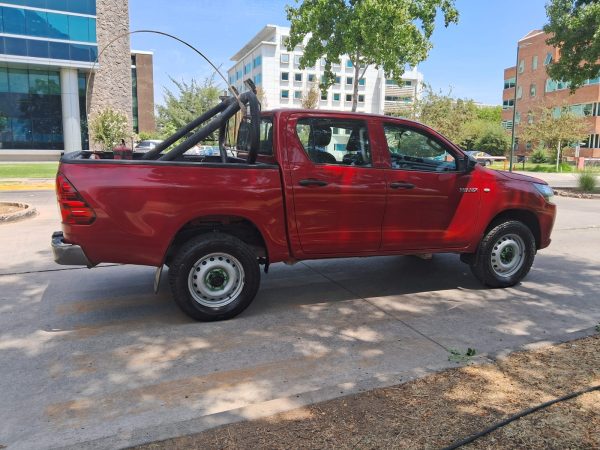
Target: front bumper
pixel 68 254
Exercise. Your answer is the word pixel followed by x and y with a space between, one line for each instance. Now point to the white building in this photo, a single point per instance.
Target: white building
pixel 272 67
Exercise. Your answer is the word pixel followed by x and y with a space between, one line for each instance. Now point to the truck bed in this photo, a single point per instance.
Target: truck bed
pixel 142 205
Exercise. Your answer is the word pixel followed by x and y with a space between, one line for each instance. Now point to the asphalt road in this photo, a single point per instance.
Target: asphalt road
pixel 93 359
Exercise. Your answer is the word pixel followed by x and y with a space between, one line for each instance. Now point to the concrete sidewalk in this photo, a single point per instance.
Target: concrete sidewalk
pixel 555 180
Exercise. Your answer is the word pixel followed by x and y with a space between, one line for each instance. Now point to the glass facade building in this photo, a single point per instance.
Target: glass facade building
pixel 47 48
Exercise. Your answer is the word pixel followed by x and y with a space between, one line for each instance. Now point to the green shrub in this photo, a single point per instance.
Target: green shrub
pixel 108 127
pixel 587 182
pixel 539 156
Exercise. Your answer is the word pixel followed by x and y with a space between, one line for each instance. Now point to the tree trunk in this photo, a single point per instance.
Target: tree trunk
pixel 355 86
pixel 558 156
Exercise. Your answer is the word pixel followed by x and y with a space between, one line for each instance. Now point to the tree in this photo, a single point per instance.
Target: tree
pixel 485 136
pixel 574 29
pixel 555 131
pixel 310 98
pixel 190 101
pixel 444 113
pixel 390 34
pixel 108 127
pixel 490 113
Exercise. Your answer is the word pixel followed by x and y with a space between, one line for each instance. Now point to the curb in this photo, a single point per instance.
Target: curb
pixel 28 211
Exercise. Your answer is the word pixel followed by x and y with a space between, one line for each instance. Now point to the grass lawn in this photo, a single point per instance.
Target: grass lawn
pixel 546 167
pixel 30 170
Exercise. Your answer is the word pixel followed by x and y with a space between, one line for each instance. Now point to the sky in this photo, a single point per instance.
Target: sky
pixel 467 59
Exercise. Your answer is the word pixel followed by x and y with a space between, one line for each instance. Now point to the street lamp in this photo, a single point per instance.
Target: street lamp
pixel 512 137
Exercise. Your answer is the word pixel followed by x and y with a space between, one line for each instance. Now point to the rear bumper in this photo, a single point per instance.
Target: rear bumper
pixel 68 254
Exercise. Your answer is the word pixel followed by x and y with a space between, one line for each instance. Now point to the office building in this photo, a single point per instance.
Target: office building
pixel 48 52
pixel 534 89
pixel 266 60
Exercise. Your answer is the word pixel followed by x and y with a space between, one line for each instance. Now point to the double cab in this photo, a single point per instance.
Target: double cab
pixel 303 184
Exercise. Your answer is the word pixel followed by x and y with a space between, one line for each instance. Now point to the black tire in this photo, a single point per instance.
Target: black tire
pixel 493 265
pixel 222 259
pixel 487 163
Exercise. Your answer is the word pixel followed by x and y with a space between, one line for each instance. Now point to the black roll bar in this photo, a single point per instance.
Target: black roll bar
pixel 221 113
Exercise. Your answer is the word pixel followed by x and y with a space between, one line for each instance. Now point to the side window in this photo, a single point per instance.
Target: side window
pixel 266 136
pixel 415 150
pixel 335 141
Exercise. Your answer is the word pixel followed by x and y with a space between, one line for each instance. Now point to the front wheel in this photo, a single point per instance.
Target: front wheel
pixel 214 277
pixel 505 255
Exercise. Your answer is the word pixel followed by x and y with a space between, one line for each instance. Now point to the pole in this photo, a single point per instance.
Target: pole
pixel 512 137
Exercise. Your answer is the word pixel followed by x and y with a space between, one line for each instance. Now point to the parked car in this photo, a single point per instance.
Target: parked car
pixel 146 145
pixel 306 184
pixel 485 158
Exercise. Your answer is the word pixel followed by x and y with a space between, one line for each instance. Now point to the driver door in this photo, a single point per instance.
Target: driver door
pixel 429 204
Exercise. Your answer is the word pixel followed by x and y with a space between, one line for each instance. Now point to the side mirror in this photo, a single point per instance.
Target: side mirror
pixel 466 164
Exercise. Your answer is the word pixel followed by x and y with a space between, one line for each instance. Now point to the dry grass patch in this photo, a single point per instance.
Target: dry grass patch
pixel 439 409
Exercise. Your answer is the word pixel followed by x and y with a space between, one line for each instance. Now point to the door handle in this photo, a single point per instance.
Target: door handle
pixel 312 182
pixel 401 185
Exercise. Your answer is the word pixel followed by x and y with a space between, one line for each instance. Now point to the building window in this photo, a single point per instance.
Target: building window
pixel 336 96
pixel 238 75
pixel 532 90
pixel 348 97
pixel 522 66
pixel 258 79
pixel 30 102
pixel 324 96
pixel 285 41
pixel 534 62
pixel 509 83
pixel 247 69
pixel 508 104
pixel 285 93
pixel 361 98
pixel 256 62
pixel 529 117
pixel 391 82
pixel 285 76
pixel 311 77
pixel 297 60
pixel 338 80
pixel 349 64
pixel 361 82
pixel 548 59
pixel 298 77
pixel 519 91
pixel 517 117
pixel 507 124
pixel 285 58
pixel 350 81
pixel 407 83
pixel 298 95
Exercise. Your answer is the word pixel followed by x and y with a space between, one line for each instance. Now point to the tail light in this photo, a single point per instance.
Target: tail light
pixel 73 208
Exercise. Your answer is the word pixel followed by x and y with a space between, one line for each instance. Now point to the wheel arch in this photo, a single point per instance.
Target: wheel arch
pixel 240 227
pixel 528 218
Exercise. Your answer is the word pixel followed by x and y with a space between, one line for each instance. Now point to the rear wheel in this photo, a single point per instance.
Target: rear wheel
pixel 214 277
pixel 505 255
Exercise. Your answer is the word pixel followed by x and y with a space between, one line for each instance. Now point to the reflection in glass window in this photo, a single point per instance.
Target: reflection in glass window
pixel 30 101
pixel 78 28
pixel 335 141
pixel 414 150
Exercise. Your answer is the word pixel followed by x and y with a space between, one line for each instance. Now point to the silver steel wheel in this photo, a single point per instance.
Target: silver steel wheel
pixel 508 255
pixel 216 280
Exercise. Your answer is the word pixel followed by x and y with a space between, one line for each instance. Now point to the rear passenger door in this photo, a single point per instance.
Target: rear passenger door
pixel 339 197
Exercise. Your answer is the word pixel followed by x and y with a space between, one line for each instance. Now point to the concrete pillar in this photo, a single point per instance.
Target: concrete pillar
pixel 69 88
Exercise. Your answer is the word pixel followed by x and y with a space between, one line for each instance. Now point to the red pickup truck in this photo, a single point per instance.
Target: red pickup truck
pixel 305 184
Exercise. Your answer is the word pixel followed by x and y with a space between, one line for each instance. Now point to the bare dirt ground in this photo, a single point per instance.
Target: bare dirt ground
pixel 437 410
pixel 8 208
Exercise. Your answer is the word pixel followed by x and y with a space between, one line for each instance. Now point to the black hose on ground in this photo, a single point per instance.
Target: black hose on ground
pixel 517 416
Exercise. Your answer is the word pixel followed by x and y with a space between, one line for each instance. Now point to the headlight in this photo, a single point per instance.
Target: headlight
pixel 545 190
